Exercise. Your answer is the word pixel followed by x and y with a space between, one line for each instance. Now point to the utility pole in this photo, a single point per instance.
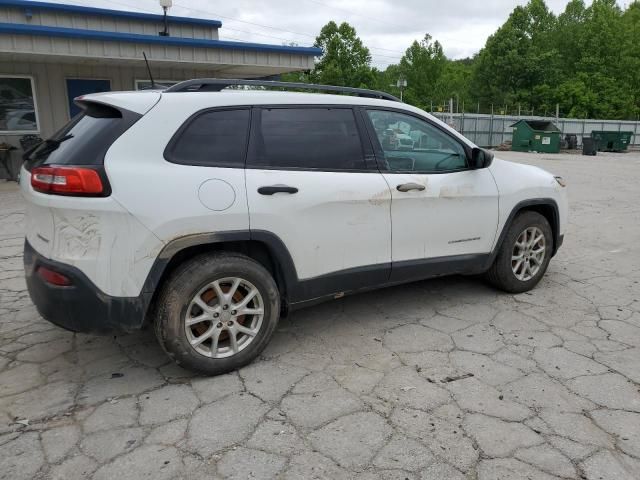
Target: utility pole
pixel 451 110
pixel 491 128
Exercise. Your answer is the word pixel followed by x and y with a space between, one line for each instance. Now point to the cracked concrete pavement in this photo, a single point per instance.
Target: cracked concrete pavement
pixel 445 379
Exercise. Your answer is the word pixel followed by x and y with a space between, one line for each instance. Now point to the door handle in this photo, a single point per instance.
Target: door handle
pixel 407 187
pixel 270 190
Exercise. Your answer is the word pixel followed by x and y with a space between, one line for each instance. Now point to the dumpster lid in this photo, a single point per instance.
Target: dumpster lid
pixel 611 132
pixel 539 125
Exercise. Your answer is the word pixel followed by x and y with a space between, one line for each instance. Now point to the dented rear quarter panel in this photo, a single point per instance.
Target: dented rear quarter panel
pixel 96 235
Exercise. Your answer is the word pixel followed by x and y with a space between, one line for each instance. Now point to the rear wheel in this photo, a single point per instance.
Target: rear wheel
pixel 217 312
pixel 524 254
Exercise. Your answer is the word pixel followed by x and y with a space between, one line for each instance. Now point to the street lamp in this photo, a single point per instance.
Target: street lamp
pixel 401 84
pixel 166 5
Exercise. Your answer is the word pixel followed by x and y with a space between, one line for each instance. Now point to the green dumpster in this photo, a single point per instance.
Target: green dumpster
pixel 612 140
pixel 535 136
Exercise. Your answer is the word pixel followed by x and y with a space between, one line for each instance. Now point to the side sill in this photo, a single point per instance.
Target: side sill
pixel 401 273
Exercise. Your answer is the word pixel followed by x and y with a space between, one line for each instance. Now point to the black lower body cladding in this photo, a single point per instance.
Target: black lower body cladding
pixel 81 306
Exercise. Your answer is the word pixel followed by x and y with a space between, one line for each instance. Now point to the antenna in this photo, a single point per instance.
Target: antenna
pixel 153 83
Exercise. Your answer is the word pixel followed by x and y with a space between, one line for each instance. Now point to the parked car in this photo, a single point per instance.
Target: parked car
pixel 21 120
pixel 209 214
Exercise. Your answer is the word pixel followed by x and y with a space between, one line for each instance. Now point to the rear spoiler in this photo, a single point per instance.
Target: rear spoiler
pixel 138 101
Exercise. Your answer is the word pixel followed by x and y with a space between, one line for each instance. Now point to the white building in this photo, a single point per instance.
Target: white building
pixel 51 53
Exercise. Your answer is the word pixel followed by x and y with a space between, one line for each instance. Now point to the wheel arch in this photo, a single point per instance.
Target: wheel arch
pixel 547 207
pixel 264 247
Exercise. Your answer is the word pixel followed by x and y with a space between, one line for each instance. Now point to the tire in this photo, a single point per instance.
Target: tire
pixel 193 280
pixel 502 274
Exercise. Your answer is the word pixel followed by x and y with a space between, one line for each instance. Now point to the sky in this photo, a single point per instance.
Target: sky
pixel 387 27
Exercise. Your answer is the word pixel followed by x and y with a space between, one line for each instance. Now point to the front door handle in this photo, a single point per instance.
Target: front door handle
pixel 407 187
pixel 270 190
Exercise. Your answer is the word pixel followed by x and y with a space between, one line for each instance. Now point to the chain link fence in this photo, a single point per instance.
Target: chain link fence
pixel 487 130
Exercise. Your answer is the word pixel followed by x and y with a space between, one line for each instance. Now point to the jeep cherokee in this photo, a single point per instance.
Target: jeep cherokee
pixel 209 212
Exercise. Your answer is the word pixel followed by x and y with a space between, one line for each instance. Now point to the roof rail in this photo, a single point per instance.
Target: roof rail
pixel 217 84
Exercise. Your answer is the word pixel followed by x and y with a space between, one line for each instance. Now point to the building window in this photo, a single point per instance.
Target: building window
pixel 17 105
pixel 146 84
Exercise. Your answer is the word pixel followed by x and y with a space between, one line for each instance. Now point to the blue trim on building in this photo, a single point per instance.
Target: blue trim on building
pixel 40 30
pixel 60 7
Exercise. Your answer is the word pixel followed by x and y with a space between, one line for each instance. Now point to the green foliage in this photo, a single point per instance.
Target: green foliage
pixel 422 65
pixel 518 59
pixel 630 57
pixel 346 61
pixel 587 60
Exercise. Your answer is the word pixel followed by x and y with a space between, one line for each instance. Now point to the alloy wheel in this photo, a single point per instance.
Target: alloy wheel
pixel 528 254
pixel 224 317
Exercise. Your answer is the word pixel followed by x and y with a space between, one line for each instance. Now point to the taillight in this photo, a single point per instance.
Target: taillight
pixel 53 277
pixel 66 181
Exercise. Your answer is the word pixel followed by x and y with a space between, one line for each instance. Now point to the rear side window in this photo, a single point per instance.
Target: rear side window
pixel 307 138
pixel 85 139
pixel 217 138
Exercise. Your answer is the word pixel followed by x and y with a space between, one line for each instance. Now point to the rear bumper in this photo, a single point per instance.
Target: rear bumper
pixel 80 307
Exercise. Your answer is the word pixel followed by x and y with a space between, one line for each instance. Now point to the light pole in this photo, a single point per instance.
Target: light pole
pixel 401 84
pixel 166 5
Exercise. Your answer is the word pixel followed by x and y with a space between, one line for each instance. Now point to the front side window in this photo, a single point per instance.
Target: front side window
pixel 413 145
pixel 308 138
pixel 17 105
pixel 217 138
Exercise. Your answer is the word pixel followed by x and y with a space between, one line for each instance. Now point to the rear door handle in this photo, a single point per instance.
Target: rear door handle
pixel 271 189
pixel 407 187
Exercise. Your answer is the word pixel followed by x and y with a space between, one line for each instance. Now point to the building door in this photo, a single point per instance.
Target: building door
pixel 82 86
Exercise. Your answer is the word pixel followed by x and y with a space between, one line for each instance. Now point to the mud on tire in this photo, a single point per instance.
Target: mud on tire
pixel 217 312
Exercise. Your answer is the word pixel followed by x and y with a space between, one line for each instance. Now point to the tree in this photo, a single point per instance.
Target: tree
pixel 518 57
pixel 454 81
pixel 587 60
pixel 630 56
pixel 591 40
pixel 422 66
pixel 569 34
pixel 345 60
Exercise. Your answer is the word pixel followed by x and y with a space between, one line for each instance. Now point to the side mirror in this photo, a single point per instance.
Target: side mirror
pixel 481 158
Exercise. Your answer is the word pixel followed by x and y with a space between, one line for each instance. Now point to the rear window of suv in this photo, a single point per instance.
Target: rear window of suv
pixel 85 139
pixel 215 138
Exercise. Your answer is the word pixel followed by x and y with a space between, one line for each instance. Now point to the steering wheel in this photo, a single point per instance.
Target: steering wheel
pixel 437 165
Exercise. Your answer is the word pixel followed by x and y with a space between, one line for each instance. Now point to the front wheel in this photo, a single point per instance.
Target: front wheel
pixel 524 255
pixel 217 312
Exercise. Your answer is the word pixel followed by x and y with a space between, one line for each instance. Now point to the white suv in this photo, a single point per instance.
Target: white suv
pixel 210 213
